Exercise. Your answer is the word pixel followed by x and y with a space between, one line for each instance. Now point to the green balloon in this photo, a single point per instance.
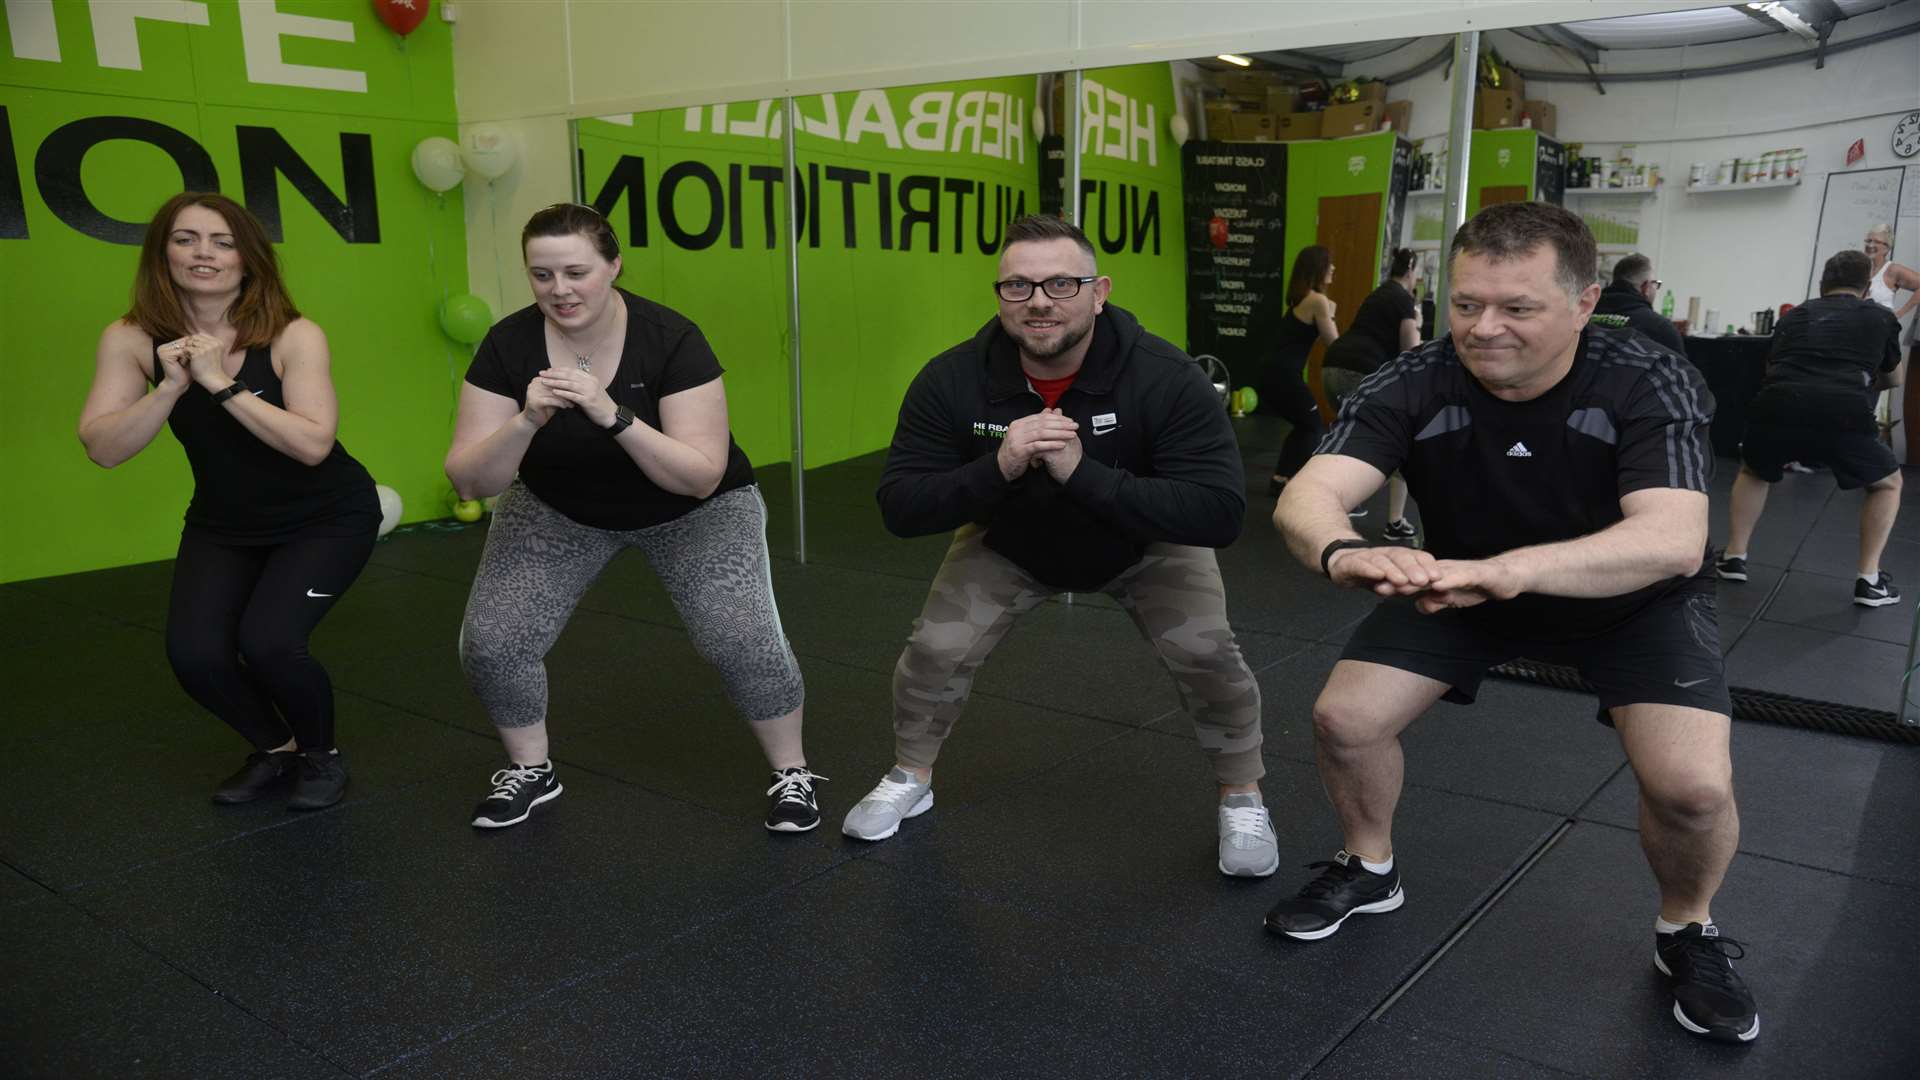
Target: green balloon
pixel 1249 400
pixel 465 318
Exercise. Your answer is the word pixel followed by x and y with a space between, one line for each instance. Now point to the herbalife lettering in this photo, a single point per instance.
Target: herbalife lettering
pixel 989 429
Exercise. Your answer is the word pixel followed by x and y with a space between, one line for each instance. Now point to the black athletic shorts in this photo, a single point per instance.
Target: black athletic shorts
pixel 1857 458
pixel 1668 653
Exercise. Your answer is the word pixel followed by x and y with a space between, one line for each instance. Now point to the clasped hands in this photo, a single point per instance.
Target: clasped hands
pixel 1435 584
pixel 1049 438
pixel 201 358
pixel 568 388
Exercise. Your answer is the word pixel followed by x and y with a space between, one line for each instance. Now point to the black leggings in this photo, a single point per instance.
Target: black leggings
pixel 1285 393
pixel 237 628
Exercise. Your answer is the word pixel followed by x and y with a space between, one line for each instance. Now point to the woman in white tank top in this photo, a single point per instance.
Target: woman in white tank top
pixel 1889 278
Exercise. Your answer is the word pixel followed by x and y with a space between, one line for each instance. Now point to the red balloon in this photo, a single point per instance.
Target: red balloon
pixel 401 16
pixel 1217 232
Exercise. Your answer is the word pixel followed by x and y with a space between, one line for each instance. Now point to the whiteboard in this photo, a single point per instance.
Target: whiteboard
pixel 1854 202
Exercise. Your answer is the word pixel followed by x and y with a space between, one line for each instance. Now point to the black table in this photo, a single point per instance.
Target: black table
pixel 1733 367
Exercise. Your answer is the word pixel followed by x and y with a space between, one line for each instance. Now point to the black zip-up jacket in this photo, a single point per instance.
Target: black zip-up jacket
pixel 1623 306
pixel 1158 457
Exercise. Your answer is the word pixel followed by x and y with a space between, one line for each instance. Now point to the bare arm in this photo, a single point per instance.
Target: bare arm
pixel 1322 309
pixel 1409 334
pixel 1901 277
pixel 1887 380
pixel 490 436
pixel 120 416
pixel 686 454
pixel 1663 535
pixel 1312 513
pixel 304 429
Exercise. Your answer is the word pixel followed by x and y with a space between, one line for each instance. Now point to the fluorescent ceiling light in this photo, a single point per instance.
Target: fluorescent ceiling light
pixel 1234 58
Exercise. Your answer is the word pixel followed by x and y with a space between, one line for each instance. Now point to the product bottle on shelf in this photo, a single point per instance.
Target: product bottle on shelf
pixel 1666 305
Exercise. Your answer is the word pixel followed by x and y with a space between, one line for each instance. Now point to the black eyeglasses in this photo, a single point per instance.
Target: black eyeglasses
pixel 1657 283
pixel 1014 290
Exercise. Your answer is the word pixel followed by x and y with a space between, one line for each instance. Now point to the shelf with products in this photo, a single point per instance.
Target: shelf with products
pixel 1645 192
pixel 1748 185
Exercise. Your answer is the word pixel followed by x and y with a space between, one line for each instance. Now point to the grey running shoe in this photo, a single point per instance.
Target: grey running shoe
pixel 899 796
pixel 1247 844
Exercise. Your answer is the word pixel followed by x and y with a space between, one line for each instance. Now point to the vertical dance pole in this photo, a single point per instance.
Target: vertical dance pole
pixel 1466 61
pixel 794 225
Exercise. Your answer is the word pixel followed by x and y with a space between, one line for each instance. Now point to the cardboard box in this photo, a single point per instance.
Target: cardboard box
pixel 1542 115
pixel 1370 91
pixel 1254 126
pixel 1399 114
pixel 1282 99
pixel 1496 108
pixel 1360 118
pixel 1245 86
pixel 1289 127
pixel 1510 81
pixel 1219 120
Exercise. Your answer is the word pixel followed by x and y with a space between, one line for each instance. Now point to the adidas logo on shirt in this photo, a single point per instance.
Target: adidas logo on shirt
pixel 1519 449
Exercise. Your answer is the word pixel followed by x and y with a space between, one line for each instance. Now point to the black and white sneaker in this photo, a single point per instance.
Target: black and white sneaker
pixel 1709 997
pixel 1730 569
pixel 1400 530
pixel 1343 888
pixel 794 808
pixel 1879 594
pixel 517 789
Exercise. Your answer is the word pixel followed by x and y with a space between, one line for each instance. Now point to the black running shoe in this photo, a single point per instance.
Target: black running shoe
pixel 517 789
pixel 1879 594
pixel 1343 888
pixel 1730 569
pixel 264 770
pixel 1400 530
pixel 1709 997
pixel 319 780
pixel 794 808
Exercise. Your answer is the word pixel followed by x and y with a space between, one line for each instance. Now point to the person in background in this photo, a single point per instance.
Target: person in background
pixel 1628 302
pixel 1386 325
pixel 1831 357
pixel 1283 389
pixel 1886 278
pixel 282 518
pixel 602 418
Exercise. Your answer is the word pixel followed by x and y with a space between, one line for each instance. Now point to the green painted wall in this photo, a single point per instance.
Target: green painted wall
pixel 395 373
pixel 1500 158
pixel 1133 214
pixel 883 289
pixel 1329 168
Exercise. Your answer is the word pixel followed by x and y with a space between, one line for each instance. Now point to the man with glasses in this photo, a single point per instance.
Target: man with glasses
pixel 1628 302
pixel 1069 450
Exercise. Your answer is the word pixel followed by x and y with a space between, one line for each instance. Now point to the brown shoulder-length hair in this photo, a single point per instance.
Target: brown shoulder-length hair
pixel 261 311
pixel 1309 273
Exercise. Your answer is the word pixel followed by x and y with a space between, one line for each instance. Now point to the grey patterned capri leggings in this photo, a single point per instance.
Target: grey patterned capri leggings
pixel 1176 599
pixel 539 562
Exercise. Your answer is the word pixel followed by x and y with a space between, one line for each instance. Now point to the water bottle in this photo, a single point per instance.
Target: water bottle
pixel 1666 305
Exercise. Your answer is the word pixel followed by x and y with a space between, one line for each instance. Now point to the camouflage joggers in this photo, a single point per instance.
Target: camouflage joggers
pixel 1175 597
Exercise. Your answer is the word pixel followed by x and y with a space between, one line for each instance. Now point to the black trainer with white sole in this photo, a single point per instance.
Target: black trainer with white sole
pixel 1344 887
pixel 517 789
pixel 1879 594
pixel 1709 996
pixel 794 807
pixel 1730 569
pixel 264 771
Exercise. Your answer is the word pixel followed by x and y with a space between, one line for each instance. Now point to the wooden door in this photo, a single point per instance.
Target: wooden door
pixel 1350 229
pixel 1503 193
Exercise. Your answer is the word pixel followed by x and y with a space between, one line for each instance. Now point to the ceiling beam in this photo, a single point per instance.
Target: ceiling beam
pixel 1581 47
pixel 1298 61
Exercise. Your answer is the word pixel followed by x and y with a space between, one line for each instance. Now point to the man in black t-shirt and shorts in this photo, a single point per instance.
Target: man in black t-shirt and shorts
pixel 1562 474
pixel 1831 357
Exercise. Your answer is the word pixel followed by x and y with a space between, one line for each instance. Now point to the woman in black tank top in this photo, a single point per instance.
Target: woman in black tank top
pixel 282 519
pixel 1283 389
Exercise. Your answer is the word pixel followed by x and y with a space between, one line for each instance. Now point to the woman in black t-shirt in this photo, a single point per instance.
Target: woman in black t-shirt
pixel 1283 389
pixel 282 520
pixel 602 418
pixel 1386 325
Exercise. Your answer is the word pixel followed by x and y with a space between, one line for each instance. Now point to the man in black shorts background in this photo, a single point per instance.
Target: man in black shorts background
pixel 1562 474
pixel 1831 358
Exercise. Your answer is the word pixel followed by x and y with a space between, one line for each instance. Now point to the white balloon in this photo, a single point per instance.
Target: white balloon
pixel 1178 128
pixel 489 150
pixel 389 507
pixel 436 161
pixel 1039 122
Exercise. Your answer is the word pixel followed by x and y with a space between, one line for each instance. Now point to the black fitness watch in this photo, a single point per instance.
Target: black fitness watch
pixel 1326 554
pixel 622 420
pixel 236 387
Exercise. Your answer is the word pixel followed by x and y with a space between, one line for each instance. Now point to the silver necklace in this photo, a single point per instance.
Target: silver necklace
pixel 584 361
